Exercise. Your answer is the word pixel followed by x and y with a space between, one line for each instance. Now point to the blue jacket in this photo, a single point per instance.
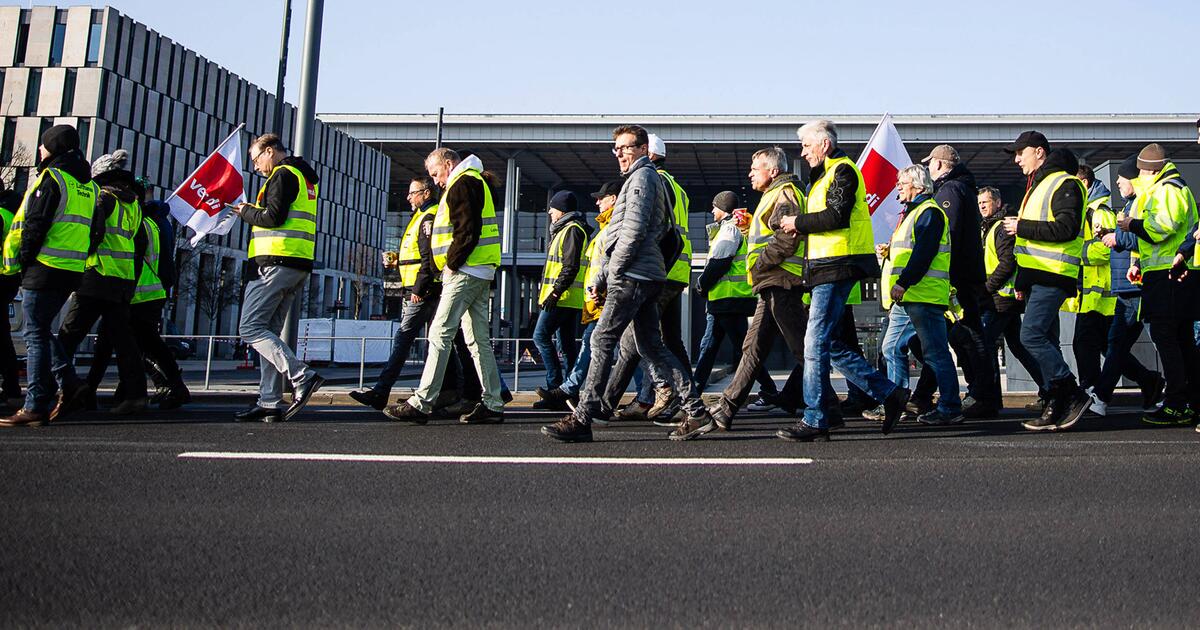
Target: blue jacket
pixel 1118 259
pixel 927 237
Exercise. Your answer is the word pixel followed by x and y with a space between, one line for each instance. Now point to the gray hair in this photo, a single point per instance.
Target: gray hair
pixel 442 154
pixel 775 157
pixel 819 130
pixel 918 176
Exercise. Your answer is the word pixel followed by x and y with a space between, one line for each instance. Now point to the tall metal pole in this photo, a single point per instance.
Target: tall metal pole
pixel 277 116
pixel 304 130
pixel 438 142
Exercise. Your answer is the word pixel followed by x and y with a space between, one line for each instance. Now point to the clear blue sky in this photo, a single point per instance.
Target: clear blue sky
pixel 622 56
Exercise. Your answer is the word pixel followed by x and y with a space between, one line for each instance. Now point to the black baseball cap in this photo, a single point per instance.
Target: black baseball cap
pixel 609 188
pixel 1028 139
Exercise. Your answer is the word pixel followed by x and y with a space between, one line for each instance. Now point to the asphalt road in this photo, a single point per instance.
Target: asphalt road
pixel 105 524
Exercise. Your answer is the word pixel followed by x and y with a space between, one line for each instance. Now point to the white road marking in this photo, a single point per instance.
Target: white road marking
pixel 469 459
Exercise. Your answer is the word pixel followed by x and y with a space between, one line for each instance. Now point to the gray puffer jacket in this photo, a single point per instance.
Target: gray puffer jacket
pixel 638 221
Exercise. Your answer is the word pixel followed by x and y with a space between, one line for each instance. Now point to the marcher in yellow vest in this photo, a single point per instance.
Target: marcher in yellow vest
pixel 283 240
pixel 561 294
pixel 775 270
pixel 1049 242
pixel 839 251
pixel 48 242
pixel 10 284
pixel 106 289
pixel 466 247
pixel 915 288
pixel 566 395
pixel 1168 214
pixel 421 288
pixel 1094 303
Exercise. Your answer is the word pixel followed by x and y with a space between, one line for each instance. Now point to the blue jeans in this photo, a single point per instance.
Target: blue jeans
pixel 556 322
pixel 578 373
pixel 928 323
pixel 1039 332
pixel 822 349
pixel 413 317
pixel 42 348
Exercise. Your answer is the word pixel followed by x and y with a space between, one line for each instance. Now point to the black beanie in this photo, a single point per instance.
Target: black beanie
pixel 726 200
pixel 1128 168
pixel 60 139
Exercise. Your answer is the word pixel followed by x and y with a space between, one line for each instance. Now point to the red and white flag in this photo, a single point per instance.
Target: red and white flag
pixel 200 201
pixel 880 162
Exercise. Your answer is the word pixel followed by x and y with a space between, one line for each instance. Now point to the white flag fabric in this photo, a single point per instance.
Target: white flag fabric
pixel 884 157
pixel 200 201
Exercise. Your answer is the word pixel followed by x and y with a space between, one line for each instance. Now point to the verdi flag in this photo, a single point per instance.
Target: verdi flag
pixel 884 157
pixel 200 201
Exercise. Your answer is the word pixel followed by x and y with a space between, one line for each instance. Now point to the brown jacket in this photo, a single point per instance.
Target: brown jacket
pixel 767 272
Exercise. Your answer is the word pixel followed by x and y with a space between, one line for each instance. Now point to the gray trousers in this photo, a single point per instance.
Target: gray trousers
pixel 264 307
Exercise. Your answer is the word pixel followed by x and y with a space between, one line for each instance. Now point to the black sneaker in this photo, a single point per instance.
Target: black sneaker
pixel 404 412
pixel 939 418
pixel 1169 416
pixel 894 406
pixel 1077 403
pixel 1048 419
pixel 1152 392
pixel 801 432
pixel 975 409
pixel 569 429
pixel 482 415
pixel 370 398
pixel 693 427
pixel 547 404
pixel 1037 406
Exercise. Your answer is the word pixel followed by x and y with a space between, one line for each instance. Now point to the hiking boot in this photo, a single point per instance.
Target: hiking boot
pixel 721 415
pixel 1169 416
pixel 482 415
pixel 1152 392
pixel 667 417
pixel 801 432
pixel 940 418
pixel 693 427
pixel 894 406
pixel 569 429
pixel 634 412
pixel 404 412
pixel 370 398
pixel 663 397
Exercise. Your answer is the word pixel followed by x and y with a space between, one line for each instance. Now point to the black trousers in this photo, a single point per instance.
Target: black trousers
pixel 83 312
pixel 10 368
pixel 145 321
pixel 1091 342
pixel 669 309
pixel 1169 308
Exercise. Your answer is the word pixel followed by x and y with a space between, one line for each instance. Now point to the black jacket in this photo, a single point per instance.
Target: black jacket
pixel 1066 209
pixel 464 202
pixel 839 204
pixel 957 194
pixel 426 286
pixel 277 199
pixel 573 244
pixel 114 185
pixel 160 213
pixel 1006 263
pixel 39 217
pixel 927 236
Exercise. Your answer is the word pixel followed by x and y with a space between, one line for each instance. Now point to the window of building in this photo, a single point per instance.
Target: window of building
pixel 57 39
pixel 33 89
pixel 85 128
pixel 6 147
pixel 94 35
pixel 68 101
pixel 22 39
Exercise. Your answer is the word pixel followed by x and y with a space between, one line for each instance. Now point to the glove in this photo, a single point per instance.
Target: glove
pixel 550 302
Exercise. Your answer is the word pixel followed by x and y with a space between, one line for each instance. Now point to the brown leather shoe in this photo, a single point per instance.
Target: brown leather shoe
pixel 24 418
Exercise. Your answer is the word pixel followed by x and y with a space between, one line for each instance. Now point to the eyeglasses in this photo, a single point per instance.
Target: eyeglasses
pixel 619 149
pixel 416 192
pixel 254 158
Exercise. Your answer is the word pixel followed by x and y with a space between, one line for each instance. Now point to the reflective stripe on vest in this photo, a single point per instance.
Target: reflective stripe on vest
pixel 1058 258
pixel 680 269
pixel 991 260
pixel 149 283
pixel 408 264
pixel 67 242
pixel 734 284
pixel 934 286
pixel 297 237
pixel 856 240
pixel 487 251
pixel 113 258
pixel 761 233
pixel 572 297
pixel 1168 212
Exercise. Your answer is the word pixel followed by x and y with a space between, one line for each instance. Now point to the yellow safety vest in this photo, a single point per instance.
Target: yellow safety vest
pixel 1168 212
pixel 853 241
pixel 991 260
pixel 297 237
pixel 67 243
pixel 1096 294
pixel 734 283
pixel 1059 258
pixel 114 257
pixel 934 286
pixel 6 216
pixel 681 269
pixel 591 266
pixel 409 255
pixel 572 297
pixel 149 283
pixel 487 250
pixel 761 233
